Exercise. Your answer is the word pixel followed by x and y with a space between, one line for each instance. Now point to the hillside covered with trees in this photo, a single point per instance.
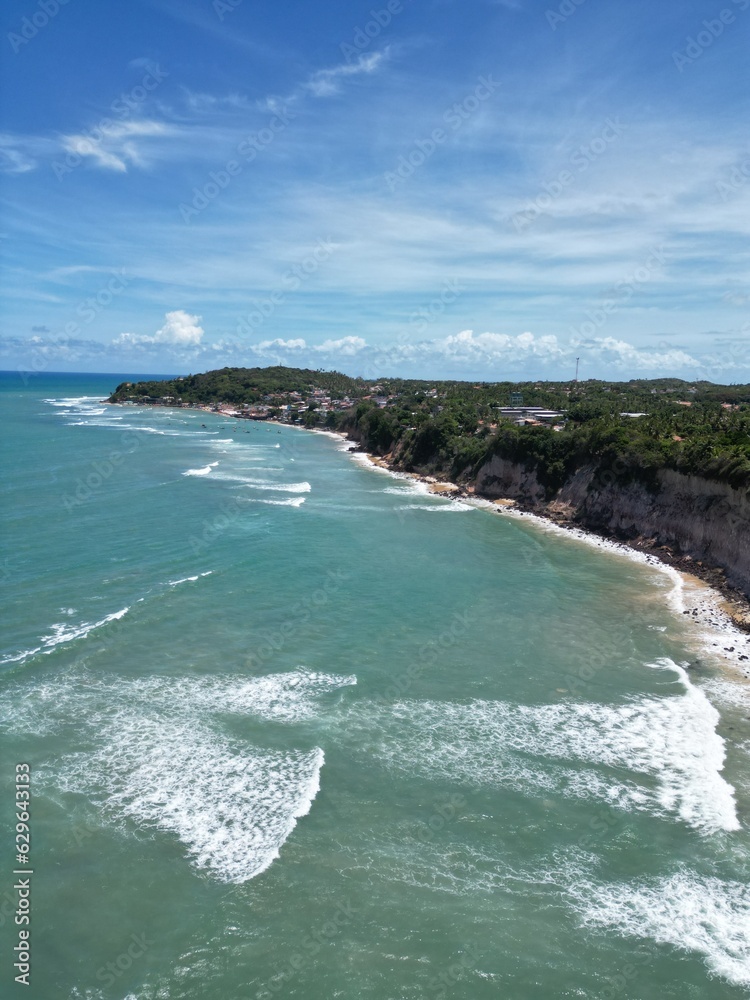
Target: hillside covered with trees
pixel 239 385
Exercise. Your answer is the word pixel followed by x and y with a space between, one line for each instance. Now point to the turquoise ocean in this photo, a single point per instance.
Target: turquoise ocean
pixel 297 728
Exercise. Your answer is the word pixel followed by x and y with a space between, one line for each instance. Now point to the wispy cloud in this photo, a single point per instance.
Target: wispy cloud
pixel 327 82
pixel 208 121
pixel 20 154
pixel 118 145
pixel 12 159
pixel 202 103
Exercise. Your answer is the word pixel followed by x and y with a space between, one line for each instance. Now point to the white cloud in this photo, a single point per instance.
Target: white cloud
pixel 487 356
pixel 327 82
pixel 492 355
pixel 114 145
pixel 527 347
pixel 203 103
pixel 13 160
pixel 346 346
pixel 20 154
pixel 280 345
pixel 497 345
pixel 467 353
pixel 180 330
pixel 620 354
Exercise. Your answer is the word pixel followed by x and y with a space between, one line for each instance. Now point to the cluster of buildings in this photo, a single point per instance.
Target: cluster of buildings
pixel 286 406
pixel 525 416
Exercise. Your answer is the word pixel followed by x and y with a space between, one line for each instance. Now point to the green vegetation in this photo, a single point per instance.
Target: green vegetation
pixel 453 428
pixel 240 385
pixel 457 431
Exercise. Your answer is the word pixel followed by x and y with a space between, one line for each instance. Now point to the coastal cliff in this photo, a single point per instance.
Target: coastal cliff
pixel 694 520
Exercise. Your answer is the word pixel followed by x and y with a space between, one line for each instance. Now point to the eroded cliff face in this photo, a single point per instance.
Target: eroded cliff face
pixel 502 478
pixel 708 521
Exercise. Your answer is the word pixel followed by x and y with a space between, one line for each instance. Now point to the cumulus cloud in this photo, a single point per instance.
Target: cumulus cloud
pixel 488 356
pixel 465 354
pixel 346 346
pixel 499 351
pixel 621 354
pixel 501 346
pixel 280 345
pixel 180 329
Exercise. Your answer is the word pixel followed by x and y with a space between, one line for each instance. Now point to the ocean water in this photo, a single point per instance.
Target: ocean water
pixel 297 728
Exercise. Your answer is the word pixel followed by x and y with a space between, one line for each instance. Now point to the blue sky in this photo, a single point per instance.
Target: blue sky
pixel 456 188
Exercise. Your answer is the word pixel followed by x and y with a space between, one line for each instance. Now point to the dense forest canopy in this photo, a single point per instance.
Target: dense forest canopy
pixel 452 428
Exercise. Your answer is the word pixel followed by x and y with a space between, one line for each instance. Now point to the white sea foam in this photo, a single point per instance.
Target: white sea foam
pixel 409 487
pixel 136 428
pixel 204 471
pixel 72 400
pixel 690 912
pixel 189 579
pixel 90 700
pixel 448 506
pixel 733 694
pixel 231 805
pixel 290 697
pixel 80 404
pixel 93 423
pixel 297 502
pixel 153 754
pixel 337 435
pixel 67 633
pixel 25 654
pixel 62 633
pixel 671 741
pixel 88 411
pixel 278 487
